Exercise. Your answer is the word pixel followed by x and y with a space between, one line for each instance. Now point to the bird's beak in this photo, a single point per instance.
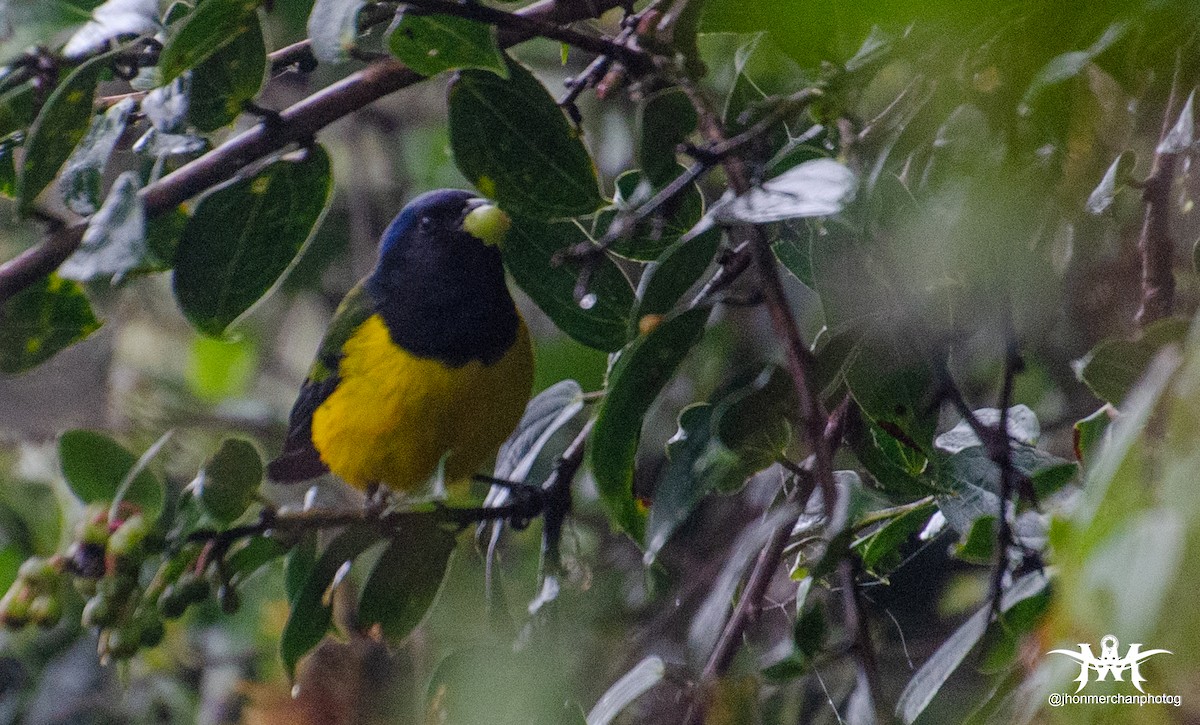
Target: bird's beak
pixel 486 222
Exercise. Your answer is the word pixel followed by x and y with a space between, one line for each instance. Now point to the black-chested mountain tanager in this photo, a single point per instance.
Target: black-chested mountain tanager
pixel 426 359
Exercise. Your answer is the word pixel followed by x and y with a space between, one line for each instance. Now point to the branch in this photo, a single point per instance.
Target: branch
pixel 750 603
pixel 1155 244
pixel 633 58
pixel 296 124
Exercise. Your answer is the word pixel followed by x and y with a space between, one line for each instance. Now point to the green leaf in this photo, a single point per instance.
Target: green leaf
pixel 406 579
pixel 114 244
pixel 895 465
pixel 250 556
pixel 8 169
pixel 493 684
pixel 244 235
pixel 299 565
pixel 229 481
pixel 95 466
pixel 513 142
pixel 310 616
pixel 793 249
pixel 333 28
pixel 635 381
pixel 789 668
pixel 233 75
pixel 979 545
pixel 1090 431
pixel 37 516
pixel 810 631
pixel 45 317
pixel 529 253
pixel 430 44
pixel 58 129
pixel 667 118
pixel 654 236
pixel 753 422
pixel 213 25
pixel 881 551
pixel 17 109
pixel 893 384
pixel 928 680
pixel 1066 66
pixel 1113 367
pixel 696 466
pixel 665 282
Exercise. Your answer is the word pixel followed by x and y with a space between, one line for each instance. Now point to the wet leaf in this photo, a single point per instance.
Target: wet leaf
pixel 84 172
pixel 114 243
pixel 333 28
pixel 1113 367
pixel 820 187
pixel 111 20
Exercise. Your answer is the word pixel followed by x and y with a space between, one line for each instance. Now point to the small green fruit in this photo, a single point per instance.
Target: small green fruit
pixel 487 223
pixel 45 610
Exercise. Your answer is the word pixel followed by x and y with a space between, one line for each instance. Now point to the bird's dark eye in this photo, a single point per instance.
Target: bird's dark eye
pixel 426 223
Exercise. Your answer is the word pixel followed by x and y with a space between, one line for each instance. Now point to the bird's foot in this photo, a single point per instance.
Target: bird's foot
pixel 528 500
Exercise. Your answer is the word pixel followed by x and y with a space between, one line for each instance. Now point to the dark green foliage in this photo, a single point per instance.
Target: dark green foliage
pixel 535 166
pixel 43 319
pixel 221 271
pixel 430 44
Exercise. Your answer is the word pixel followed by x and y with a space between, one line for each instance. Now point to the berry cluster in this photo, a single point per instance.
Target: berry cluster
pixel 125 600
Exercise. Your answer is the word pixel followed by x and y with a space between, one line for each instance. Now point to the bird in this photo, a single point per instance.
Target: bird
pixel 426 363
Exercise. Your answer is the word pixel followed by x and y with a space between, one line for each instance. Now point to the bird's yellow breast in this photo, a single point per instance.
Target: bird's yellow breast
pixel 393 415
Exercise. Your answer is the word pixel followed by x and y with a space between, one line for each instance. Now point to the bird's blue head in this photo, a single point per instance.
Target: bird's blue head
pixel 442 217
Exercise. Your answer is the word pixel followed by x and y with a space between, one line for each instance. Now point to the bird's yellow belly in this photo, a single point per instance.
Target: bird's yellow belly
pixel 393 415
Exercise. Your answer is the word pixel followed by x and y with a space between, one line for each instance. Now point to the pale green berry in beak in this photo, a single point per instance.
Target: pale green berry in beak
pixel 487 222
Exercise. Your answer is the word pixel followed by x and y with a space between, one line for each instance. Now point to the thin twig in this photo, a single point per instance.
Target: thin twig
pixel 297 124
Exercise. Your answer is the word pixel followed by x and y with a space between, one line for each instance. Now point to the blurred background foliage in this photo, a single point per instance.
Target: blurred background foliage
pixel 998 150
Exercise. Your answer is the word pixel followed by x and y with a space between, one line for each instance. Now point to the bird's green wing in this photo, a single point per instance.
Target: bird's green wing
pixel 299 460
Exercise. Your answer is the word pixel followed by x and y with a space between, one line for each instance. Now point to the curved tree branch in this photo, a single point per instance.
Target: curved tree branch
pixel 296 124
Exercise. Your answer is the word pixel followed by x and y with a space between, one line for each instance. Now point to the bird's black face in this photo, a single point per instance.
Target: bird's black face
pixel 434 219
pixel 439 286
